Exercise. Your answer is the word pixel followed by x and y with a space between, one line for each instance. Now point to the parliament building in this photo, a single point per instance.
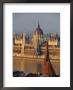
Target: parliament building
pixel 39 54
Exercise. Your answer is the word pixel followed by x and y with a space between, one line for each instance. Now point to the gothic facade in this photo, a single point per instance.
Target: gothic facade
pixel 37 55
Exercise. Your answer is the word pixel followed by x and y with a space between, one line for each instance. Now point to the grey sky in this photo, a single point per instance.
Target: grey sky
pixel 28 22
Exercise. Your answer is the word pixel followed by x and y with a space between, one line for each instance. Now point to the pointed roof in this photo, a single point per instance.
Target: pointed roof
pixel 38 30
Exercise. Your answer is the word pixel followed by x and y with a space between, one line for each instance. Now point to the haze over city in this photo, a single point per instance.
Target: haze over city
pixel 28 22
pixel 36 45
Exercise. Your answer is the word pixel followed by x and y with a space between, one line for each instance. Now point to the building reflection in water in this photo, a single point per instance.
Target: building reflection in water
pixel 36 55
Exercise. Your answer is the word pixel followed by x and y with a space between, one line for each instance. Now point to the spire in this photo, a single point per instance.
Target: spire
pixel 38 24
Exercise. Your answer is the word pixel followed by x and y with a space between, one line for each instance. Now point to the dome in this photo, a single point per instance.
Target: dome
pixel 38 30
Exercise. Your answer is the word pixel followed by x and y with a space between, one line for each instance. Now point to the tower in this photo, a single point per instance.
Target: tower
pixel 23 43
pixel 38 33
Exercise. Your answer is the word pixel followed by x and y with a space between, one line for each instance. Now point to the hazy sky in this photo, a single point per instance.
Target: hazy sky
pixel 28 22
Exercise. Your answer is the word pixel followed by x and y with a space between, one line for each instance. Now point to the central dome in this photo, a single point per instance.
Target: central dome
pixel 38 30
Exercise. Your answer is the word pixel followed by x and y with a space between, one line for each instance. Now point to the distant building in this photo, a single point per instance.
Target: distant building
pixel 38 33
pixel 36 56
pixel 53 40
